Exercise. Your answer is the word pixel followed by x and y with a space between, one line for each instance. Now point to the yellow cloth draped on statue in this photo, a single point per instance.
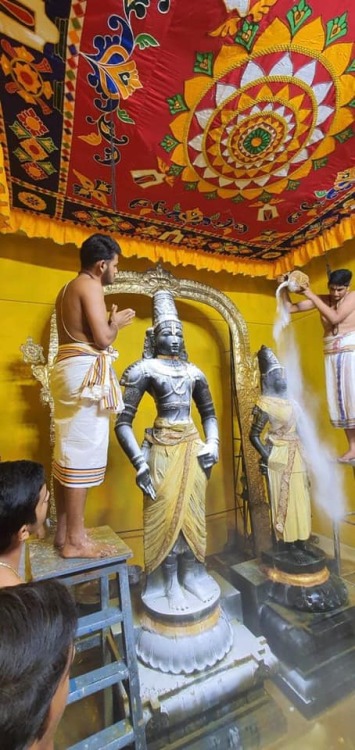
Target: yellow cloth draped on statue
pixel 288 480
pixel 180 485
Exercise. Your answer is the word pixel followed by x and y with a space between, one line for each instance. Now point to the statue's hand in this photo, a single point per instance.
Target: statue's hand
pixel 213 449
pixel 208 456
pixel 263 463
pixel 144 481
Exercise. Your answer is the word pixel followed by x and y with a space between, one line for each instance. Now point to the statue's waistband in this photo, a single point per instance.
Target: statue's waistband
pixel 168 433
pixel 174 405
pixel 292 437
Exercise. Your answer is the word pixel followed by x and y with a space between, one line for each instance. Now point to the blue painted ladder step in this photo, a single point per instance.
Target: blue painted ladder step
pixel 97 679
pixel 113 738
pixel 98 621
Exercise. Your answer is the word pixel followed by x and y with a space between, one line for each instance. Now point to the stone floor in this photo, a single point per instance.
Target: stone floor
pixel 334 729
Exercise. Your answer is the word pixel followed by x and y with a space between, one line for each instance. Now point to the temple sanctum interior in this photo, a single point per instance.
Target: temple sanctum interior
pixel 177 375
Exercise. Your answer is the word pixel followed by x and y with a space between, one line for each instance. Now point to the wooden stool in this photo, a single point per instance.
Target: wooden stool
pixel 94 629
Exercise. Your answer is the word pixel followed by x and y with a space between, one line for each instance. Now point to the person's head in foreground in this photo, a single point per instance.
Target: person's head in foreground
pixel 37 626
pixel 23 509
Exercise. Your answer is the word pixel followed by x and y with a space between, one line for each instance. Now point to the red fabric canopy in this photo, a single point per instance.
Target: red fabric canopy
pixel 205 132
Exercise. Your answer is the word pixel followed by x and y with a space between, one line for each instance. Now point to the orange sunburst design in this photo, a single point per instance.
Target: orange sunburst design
pixel 260 119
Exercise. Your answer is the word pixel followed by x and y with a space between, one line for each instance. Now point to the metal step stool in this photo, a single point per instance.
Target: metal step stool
pixel 43 562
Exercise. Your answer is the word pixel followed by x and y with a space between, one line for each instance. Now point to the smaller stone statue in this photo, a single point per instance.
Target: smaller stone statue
pixel 297 570
pixel 282 459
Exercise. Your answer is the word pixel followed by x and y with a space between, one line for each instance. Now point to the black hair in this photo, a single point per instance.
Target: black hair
pixel 20 485
pixel 37 627
pixel 98 247
pixel 340 277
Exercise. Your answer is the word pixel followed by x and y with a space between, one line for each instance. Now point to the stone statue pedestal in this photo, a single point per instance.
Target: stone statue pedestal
pixel 223 706
pixel 300 579
pixel 316 649
pixel 185 635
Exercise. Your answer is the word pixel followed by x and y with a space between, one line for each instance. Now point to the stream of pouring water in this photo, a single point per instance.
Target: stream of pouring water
pixel 325 474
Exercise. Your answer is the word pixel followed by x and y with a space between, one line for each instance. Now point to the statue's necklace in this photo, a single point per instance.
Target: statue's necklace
pixel 172 362
pixel 13 570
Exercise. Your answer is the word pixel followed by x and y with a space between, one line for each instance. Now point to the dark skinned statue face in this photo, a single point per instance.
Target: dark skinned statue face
pixel 169 341
pixel 275 383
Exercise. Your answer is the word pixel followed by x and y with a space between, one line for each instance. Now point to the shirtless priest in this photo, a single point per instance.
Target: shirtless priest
pixel 85 390
pixel 337 312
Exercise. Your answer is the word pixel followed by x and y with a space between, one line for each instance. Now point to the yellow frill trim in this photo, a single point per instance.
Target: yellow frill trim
pixel 65 233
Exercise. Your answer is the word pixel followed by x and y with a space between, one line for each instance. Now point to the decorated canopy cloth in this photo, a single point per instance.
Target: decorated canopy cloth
pixel 218 133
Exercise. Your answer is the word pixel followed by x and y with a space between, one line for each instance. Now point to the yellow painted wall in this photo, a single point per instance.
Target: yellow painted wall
pixel 32 272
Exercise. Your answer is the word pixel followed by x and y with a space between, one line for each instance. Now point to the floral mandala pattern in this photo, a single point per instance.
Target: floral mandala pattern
pixel 265 122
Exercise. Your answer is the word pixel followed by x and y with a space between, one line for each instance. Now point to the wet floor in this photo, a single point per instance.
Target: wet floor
pixel 333 729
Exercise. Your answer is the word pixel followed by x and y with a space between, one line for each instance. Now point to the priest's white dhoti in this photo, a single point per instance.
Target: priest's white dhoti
pixel 85 391
pixel 339 357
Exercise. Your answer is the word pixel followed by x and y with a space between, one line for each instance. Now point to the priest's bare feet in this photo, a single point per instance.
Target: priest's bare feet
pixel 347 458
pixel 60 539
pixel 60 535
pixel 41 532
pixel 87 548
pixel 58 543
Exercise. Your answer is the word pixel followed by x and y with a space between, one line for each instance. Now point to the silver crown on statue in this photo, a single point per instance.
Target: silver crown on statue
pixel 164 311
pixel 267 361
